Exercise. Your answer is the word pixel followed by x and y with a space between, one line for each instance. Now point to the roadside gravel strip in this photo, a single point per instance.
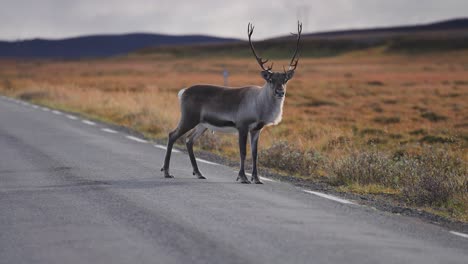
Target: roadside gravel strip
pixel 74 190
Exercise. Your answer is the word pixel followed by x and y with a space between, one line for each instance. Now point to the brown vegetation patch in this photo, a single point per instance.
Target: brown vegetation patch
pixel 387 120
pixel 433 117
pixel 436 139
pixel 31 96
pixel 375 83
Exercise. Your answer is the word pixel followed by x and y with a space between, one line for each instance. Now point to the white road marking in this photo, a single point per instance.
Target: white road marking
pixel 136 139
pixel 57 112
pixel 262 178
pixel 164 147
pixel 108 130
pixel 88 122
pixel 160 147
pixel 208 162
pixel 35 106
pixel 330 197
pixel 72 117
pixel 266 179
pixel 459 234
pixel 45 109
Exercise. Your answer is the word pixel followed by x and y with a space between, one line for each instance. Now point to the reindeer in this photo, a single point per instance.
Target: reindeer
pixel 243 110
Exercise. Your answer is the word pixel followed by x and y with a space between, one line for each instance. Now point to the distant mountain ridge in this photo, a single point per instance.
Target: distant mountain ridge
pixel 444 35
pixel 452 24
pixel 97 45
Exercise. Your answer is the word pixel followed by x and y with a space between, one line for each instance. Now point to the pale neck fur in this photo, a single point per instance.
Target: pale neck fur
pixel 270 107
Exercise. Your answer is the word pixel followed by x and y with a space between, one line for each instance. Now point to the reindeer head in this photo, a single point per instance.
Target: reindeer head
pixel 276 80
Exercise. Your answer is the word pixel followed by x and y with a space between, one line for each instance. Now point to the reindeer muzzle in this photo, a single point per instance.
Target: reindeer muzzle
pixel 279 93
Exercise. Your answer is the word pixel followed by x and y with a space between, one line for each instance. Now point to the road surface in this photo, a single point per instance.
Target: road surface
pixel 76 191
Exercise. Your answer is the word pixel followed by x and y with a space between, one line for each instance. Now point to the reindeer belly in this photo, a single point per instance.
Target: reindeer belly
pixel 223 129
pixel 219 123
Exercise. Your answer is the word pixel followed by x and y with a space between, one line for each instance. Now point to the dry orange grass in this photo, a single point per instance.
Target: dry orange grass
pixel 359 98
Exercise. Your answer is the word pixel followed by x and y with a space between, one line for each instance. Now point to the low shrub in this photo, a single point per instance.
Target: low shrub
pixel 209 141
pixel 287 157
pixel 364 167
pixel 434 177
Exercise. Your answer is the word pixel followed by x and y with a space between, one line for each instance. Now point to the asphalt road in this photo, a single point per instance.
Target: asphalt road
pixel 71 192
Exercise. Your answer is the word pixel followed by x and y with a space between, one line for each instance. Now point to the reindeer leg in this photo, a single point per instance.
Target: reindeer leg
pixel 243 133
pixel 181 129
pixel 254 136
pixel 197 132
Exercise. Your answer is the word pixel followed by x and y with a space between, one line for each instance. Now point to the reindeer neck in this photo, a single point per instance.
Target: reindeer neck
pixel 270 107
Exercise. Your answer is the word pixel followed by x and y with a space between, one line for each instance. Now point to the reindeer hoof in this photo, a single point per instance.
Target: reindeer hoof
pixel 255 179
pixel 243 179
pixel 199 175
pixel 166 173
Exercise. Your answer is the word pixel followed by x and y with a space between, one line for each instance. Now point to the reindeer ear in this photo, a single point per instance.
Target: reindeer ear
pixel 266 75
pixel 289 74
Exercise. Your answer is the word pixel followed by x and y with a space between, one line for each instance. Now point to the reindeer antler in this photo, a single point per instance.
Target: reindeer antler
pixel 294 61
pixel 260 61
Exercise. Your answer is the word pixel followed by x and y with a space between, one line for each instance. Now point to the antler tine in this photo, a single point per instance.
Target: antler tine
pixel 260 61
pixel 294 61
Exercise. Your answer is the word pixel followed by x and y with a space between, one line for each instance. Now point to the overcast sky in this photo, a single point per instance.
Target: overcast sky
pixel 23 19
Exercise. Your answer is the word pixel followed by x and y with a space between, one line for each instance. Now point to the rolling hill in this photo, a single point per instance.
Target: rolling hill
pixel 434 37
pixel 96 46
pixel 446 25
